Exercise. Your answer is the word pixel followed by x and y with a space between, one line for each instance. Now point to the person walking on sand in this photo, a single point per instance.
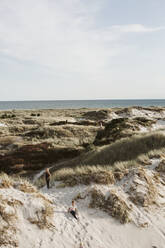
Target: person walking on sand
pixel 47 177
pixel 73 210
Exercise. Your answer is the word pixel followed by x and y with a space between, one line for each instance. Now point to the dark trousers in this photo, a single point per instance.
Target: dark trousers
pixel 48 183
pixel 74 214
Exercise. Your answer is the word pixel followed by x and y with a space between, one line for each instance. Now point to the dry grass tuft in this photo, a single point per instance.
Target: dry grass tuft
pixel 7 240
pixel 7 216
pixel 9 209
pixel 85 175
pixel 43 217
pixel 120 171
pixel 7 219
pixel 149 194
pixel 61 185
pixel 113 205
pixel 157 153
pixel 27 187
pixel 152 191
pixel 161 166
pixel 6 181
pixel 143 160
pixel 41 196
pixel 80 196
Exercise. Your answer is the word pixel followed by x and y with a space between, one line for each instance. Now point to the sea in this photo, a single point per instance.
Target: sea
pixel 76 104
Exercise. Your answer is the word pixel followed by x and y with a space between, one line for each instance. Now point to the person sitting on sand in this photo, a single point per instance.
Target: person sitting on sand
pixel 73 210
pixel 47 177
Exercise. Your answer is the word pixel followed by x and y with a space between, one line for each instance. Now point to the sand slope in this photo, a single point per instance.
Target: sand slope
pixel 95 228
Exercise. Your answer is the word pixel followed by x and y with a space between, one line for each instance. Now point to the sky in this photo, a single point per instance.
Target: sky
pixel 82 49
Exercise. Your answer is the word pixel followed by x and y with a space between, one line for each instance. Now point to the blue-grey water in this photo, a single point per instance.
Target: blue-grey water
pixel 75 104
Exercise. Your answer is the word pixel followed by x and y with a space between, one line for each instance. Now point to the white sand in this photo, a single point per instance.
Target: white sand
pixel 2 125
pixel 147 113
pixel 96 229
pixel 160 124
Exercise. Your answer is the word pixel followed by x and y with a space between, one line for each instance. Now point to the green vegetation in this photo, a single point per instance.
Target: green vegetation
pixel 109 163
pixel 35 114
pixel 127 149
pixel 5 116
pixel 120 128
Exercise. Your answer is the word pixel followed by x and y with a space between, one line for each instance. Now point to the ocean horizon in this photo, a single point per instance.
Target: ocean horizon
pixel 76 104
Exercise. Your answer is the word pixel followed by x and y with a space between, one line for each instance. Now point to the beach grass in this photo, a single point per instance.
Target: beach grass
pixel 110 163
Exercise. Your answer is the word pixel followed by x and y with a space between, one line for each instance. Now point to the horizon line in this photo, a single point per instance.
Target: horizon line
pixel 97 99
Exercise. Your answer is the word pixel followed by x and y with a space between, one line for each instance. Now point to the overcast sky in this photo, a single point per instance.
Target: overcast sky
pixel 82 49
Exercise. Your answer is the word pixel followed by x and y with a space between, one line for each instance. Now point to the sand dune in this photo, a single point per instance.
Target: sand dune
pixel 95 227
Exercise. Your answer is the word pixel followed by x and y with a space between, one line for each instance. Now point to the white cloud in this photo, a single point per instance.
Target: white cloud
pixel 61 35
pixel 135 28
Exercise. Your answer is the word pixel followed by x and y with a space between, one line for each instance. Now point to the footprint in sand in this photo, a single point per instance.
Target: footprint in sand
pixel 51 239
pixel 88 244
pixel 83 226
pixel 78 238
pixel 76 235
pixel 65 226
pixel 39 243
